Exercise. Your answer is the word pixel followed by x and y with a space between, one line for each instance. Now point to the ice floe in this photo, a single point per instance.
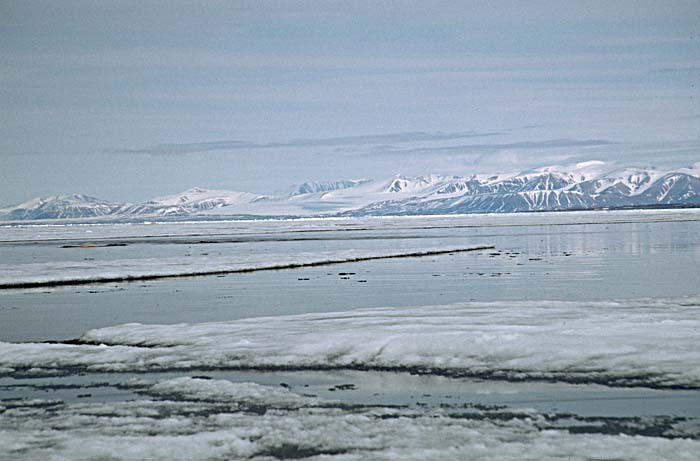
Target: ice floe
pixel 223 420
pixel 649 343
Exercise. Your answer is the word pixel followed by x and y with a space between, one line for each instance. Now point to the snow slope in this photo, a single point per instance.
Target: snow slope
pixel 60 207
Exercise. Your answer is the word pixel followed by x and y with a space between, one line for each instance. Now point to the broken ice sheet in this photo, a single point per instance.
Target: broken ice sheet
pixel 211 419
pixel 650 343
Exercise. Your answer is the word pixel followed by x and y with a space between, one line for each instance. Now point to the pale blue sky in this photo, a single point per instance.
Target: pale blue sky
pixel 128 100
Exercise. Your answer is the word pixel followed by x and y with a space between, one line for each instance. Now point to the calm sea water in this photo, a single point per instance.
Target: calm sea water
pixel 574 256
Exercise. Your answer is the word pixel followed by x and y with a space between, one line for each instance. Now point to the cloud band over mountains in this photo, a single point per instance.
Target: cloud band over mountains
pixel 408 137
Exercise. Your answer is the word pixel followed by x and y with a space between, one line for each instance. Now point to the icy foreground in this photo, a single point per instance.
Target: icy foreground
pixel 650 343
pixel 186 418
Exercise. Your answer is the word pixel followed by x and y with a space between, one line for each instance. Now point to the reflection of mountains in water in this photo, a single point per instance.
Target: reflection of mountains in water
pixel 585 186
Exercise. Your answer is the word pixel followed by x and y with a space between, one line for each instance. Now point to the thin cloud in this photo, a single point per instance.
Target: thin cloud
pixel 188 148
pixel 479 148
pixel 679 70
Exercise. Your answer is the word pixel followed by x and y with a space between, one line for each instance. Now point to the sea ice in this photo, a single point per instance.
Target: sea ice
pixel 67 272
pixel 649 343
pixel 223 420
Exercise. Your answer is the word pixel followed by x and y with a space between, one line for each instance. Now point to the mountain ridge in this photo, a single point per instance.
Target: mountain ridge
pixel 586 185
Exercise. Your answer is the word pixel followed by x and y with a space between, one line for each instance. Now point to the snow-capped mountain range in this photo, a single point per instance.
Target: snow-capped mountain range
pixel 587 185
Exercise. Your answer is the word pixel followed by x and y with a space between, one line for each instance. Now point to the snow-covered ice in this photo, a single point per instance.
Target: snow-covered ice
pixel 222 420
pixel 649 343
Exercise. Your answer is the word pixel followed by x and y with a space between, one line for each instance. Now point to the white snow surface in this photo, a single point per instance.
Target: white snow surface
pixel 242 394
pixel 209 420
pixel 212 198
pixel 627 343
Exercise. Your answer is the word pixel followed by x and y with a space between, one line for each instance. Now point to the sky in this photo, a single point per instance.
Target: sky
pixel 128 100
